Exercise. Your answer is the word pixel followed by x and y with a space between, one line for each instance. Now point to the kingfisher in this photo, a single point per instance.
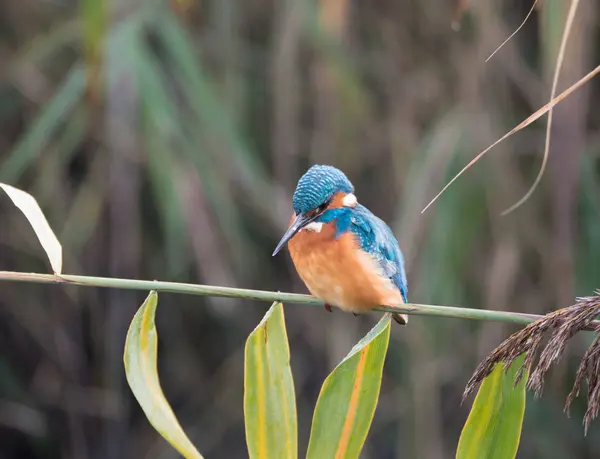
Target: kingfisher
pixel 345 255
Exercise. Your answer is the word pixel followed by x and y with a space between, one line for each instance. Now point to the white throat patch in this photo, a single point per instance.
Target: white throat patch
pixel 314 227
pixel 349 200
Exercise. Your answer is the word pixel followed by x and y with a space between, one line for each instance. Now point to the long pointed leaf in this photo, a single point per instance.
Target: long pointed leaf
pixel 269 399
pixel 140 359
pixel 348 398
pixel 493 428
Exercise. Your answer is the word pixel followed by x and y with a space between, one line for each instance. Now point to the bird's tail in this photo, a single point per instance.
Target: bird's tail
pixel 402 319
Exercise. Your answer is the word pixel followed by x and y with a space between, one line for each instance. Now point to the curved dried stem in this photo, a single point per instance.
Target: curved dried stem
pixel 531 10
pixel 559 63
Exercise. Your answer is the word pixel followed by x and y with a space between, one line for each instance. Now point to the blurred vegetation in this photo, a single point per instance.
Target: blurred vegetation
pixel 163 139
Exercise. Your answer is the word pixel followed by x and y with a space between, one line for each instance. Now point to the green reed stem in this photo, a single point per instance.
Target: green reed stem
pixel 209 290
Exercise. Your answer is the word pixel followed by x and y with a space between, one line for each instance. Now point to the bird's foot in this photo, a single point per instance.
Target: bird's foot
pixel 356 314
pixel 328 307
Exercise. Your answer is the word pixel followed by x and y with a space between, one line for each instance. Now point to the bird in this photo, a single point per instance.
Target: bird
pixel 345 255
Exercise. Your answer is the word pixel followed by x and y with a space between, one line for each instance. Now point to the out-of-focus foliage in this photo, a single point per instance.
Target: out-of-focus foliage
pixel 140 359
pixel 163 140
pixel 493 429
pixel 269 398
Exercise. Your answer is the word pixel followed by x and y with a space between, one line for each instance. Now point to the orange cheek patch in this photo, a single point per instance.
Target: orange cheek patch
pixel 337 201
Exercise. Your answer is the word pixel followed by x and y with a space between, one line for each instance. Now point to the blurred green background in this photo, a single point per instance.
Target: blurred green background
pixel 164 139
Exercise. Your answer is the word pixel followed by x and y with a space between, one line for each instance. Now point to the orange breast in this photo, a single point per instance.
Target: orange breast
pixel 339 272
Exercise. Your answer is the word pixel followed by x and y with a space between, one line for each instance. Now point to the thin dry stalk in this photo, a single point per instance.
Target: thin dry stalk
pixel 530 119
pixel 531 10
pixel 559 63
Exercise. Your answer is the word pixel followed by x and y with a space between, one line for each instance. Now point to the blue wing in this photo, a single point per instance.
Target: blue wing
pixel 377 238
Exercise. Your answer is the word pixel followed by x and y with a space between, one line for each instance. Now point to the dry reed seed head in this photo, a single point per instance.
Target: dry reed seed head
pixel 533 343
pixel 525 341
pixel 589 369
pixel 573 319
pixel 567 322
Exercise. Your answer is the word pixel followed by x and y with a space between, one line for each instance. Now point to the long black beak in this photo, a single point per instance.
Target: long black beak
pixel 299 222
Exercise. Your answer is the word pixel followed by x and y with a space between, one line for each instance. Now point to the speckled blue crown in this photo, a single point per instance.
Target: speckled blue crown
pixel 317 185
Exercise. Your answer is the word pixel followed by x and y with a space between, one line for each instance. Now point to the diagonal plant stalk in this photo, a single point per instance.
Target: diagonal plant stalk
pixel 211 290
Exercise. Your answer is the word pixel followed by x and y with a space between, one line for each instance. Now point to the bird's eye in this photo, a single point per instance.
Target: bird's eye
pixel 323 207
pixel 319 210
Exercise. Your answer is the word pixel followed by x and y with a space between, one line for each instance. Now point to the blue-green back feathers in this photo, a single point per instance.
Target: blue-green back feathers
pixel 376 238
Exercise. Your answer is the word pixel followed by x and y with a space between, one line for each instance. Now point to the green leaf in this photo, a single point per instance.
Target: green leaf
pixel 269 399
pixel 140 368
pixel 493 428
pixel 348 398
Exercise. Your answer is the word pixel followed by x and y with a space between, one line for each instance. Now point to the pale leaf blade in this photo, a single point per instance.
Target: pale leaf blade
pixel 31 209
pixel 140 359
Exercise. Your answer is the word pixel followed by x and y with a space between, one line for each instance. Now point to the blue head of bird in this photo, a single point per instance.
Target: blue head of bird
pixel 314 192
